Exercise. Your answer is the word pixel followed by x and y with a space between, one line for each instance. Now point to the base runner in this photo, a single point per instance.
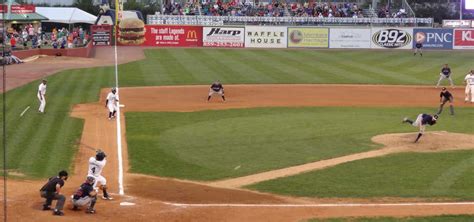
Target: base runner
pixel 469 80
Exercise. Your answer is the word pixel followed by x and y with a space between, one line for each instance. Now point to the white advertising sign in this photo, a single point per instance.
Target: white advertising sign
pixel 227 37
pixel 349 38
pixel 392 38
pixel 265 37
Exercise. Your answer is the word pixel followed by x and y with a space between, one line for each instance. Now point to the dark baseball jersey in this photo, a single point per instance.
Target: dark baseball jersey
pixel 427 119
pixel 418 45
pixel 83 191
pixel 446 71
pixel 446 94
pixel 50 186
pixel 217 86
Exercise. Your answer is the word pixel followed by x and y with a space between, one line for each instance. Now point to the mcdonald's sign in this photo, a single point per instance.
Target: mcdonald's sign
pixel 191 34
pixel 173 35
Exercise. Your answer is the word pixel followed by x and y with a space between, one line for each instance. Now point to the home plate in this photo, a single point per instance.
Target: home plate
pixel 121 105
pixel 127 204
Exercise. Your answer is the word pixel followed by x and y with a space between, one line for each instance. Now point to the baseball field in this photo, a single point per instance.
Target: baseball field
pixel 303 135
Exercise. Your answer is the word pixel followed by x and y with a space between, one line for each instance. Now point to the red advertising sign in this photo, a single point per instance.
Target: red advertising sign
pixel 463 38
pixel 101 34
pixel 18 9
pixel 180 36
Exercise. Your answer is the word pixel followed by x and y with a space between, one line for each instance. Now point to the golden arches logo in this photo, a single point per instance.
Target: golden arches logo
pixel 191 34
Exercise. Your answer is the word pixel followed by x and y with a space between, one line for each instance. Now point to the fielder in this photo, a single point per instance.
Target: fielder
pixel 445 74
pixel 421 121
pixel 96 164
pixel 216 88
pixel 41 95
pixel 444 97
pixel 111 103
pixel 418 48
pixel 469 80
pixel 85 195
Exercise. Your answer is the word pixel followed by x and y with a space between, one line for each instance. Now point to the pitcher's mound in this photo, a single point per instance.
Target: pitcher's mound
pixel 430 142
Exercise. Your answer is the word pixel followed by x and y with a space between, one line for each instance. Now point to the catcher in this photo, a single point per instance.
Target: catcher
pixel 85 195
pixel 216 88
pixel 421 121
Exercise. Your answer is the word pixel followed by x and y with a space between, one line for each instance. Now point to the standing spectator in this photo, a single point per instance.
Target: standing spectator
pixel 13 41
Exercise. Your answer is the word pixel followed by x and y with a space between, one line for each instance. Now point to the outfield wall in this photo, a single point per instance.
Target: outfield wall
pixel 307 37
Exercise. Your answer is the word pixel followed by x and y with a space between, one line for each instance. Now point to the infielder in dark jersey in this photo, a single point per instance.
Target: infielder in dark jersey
pixel 216 88
pixel 418 48
pixel 445 74
pixel 444 97
pixel 421 121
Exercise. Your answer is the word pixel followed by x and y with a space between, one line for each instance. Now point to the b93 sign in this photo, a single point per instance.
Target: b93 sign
pixel 392 38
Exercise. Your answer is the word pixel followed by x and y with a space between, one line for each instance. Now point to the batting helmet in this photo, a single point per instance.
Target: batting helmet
pixel 100 155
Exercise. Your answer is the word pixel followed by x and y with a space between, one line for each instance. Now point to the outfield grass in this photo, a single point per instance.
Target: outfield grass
pixel 443 218
pixel 40 145
pixel 209 145
pixel 203 66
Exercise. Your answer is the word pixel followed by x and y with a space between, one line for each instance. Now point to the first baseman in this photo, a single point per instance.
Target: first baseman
pixel 421 121
pixel 469 80
pixel 96 164
pixel 216 88
pixel 41 95
pixel 111 102
pixel 445 74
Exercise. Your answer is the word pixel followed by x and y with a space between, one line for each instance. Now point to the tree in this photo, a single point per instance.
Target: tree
pixel 87 6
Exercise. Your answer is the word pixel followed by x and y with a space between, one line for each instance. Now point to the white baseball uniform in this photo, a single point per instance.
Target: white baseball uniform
pixel 95 170
pixel 469 88
pixel 40 95
pixel 112 101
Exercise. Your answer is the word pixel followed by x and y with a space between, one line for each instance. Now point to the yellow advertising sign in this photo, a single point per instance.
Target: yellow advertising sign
pixel 308 37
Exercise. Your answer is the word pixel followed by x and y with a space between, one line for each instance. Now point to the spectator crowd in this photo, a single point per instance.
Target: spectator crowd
pixel 275 9
pixel 28 36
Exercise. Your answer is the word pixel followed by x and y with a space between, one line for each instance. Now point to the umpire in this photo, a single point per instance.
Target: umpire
pixel 52 191
pixel 444 97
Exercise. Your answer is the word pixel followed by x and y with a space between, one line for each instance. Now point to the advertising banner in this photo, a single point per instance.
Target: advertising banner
pixel 265 37
pixel 101 34
pixel 433 38
pixel 308 37
pixel 463 39
pixel 349 38
pixel 18 9
pixel 179 36
pixel 392 38
pixel 227 37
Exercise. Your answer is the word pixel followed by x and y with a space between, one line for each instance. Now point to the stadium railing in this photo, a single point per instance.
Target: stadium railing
pixel 251 20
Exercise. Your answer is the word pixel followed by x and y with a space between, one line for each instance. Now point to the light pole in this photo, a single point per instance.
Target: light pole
pixel 460 9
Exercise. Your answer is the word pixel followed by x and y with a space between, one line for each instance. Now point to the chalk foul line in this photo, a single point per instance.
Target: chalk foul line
pixel 323 205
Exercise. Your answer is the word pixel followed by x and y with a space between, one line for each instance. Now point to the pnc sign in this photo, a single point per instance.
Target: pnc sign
pixel 434 38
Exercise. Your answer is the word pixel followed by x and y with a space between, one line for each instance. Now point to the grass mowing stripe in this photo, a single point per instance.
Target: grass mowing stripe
pixel 325 68
pixel 46 122
pixel 445 181
pixel 66 128
pixel 253 72
pixel 187 69
pixel 211 69
pixel 244 71
pixel 292 70
pixel 301 71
